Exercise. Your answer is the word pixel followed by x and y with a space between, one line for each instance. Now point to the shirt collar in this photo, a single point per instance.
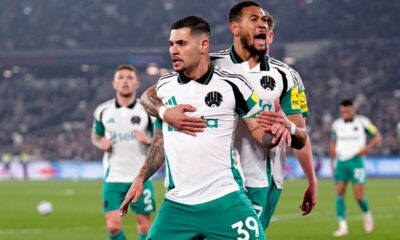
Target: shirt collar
pixel 131 106
pixel 205 79
pixel 264 66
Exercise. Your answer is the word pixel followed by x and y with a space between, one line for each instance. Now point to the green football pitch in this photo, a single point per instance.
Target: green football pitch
pixel 78 213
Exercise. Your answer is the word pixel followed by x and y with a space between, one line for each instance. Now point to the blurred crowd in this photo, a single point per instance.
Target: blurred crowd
pixel 76 24
pixel 49 116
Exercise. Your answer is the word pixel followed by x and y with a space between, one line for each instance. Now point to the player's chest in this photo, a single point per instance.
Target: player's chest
pixel 350 130
pixel 208 99
pixel 124 119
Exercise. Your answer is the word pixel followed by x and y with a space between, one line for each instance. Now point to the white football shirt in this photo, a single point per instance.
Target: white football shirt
pixel 202 168
pixel 270 81
pixel 127 155
pixel 351 136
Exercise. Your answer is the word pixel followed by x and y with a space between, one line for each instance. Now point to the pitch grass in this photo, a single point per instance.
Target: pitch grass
pixel 78 212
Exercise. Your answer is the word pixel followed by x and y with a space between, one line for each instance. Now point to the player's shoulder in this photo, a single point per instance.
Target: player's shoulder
pixel 337 121
pixel 166 78
pixel 106 104
pixel 220 54
pixel 279 64
pixel 232 78
pixel 361 118
pixel 98 112
pixel 290 72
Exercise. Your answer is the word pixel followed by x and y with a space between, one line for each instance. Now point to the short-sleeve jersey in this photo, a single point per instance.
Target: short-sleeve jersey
pixel 270 82
pixel 127 155
pixel 351 136
pixel 202 168
pixel 297 82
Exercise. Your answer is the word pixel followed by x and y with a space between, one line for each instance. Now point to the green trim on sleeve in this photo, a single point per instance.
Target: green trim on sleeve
pixel 98 128
pixel 333 135
pixel 290 104
pixel 371 130
pixel 171 184
pixel 158 123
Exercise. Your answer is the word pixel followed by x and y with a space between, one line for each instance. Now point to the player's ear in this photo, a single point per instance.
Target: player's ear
pixel 114 84
pixel 271 37
pixel 204 45
pixel 234 27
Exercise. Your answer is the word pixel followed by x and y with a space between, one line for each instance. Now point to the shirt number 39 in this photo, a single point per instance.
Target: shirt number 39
pixel 250 225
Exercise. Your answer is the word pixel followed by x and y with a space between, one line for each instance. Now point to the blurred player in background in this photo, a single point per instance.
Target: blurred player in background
pixel 122 129
pixel 348 147
pixel 272 81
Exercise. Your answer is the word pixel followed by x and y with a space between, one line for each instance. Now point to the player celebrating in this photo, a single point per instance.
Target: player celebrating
pixel 203 196
pixel 249 25
pixel 272 80
pixel 348 147
pixel 119 129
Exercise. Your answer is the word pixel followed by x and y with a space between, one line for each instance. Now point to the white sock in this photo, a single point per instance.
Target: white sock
pixel 342 224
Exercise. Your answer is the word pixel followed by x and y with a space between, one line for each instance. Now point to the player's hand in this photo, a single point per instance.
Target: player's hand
pixel 176 117
pixel 135 191
pixel 281 135
pixel 266 119
pixel 142 137
pixel 309 200
pixel 105 144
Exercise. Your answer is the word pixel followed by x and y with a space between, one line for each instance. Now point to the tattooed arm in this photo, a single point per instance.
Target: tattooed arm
pixel 154 160
pixel 277 136
pixel 150 101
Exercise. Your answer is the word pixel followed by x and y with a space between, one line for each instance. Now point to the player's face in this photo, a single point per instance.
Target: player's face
pixel 347 112
pixel 253 28
pixel 125 82
pixel 184 49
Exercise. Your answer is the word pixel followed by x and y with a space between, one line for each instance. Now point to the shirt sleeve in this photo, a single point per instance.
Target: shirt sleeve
pixel 98 126
pixel 301 91
pixel 369 127
pixel 247 101
pixel 333 132
pixel 291 103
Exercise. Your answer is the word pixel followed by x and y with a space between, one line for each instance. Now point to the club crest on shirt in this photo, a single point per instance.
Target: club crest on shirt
pixel 268 82
pixel 135 120
pixel 213 99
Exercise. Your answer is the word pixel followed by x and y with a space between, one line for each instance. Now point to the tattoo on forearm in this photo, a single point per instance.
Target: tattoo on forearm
pixel 155 157
pixel 150 101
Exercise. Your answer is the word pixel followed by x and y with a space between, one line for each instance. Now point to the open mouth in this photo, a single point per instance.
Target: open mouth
pixel 260 38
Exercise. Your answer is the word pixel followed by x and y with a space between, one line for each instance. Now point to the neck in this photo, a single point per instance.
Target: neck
pixel 198 70
pixel 125 101
pixel 245 54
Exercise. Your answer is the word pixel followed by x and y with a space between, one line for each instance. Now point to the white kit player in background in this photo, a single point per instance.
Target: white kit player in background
pixel 122 129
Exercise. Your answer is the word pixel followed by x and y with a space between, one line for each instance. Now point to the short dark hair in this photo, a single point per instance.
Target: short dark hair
pixel 346 102
pixel 197 25
pixel 126 67
pixel 236 11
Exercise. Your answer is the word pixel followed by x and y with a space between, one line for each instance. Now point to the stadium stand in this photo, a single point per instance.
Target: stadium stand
pixel 47 110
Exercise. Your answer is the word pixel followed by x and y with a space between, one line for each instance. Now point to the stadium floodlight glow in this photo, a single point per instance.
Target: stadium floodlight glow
pixel 7 73
pixel 152 69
